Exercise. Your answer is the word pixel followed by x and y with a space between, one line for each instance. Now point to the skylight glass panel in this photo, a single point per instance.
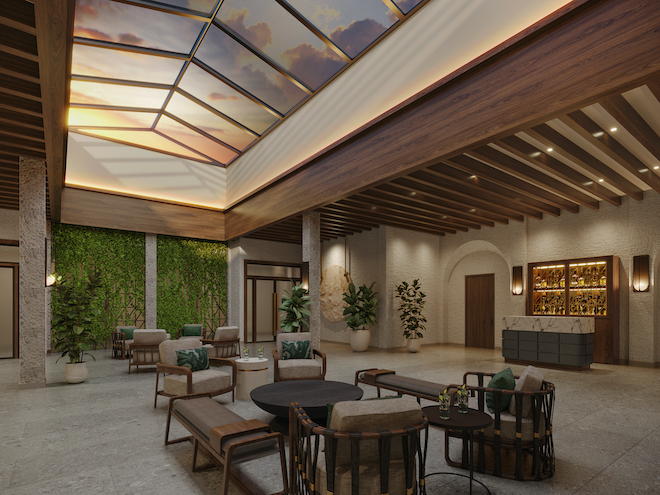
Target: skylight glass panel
pixel 225 99
pixel 351 25
pixel 105 20
pixel 146 139
pixel 229 58
pixel 406 5
pixel 130 66
pixel 110 118
pixel 199 142
pixel 117 95
pixel 205 6
pixel 207 121
pixel 270 28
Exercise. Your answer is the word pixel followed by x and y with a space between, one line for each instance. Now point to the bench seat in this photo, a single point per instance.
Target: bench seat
pixel 389 380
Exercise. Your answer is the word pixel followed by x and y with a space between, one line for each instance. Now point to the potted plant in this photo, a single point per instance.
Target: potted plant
pixel 295 306
pixel 410 312
pixel 360 314
pixel 74 308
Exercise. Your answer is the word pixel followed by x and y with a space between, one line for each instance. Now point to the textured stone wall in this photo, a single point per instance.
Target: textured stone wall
pixel 32 299
pixel 150 281
pixel 311 254
pixel 251 249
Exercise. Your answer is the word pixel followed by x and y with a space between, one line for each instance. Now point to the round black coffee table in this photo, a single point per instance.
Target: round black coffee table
pixel 312 395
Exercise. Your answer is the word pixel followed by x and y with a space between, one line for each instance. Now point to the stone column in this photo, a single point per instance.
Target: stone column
pixel 32 276
pixel 150 281
pixel 311 253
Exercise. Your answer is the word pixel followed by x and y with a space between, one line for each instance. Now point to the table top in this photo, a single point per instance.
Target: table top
pixel 253 363
pixel 312 395
pixel 472 420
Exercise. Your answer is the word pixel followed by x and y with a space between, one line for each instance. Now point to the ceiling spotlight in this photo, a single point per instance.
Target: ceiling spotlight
pixel 600 180
pixel 598 134
pixel 413 193
pixel 535 154
pixel 374 208
pixel 613 129
pixel 473 177
pixel 444 217
pixel 549 150
pixel 473 210
pixel 644 170
pixel 656 167
pixel 589 183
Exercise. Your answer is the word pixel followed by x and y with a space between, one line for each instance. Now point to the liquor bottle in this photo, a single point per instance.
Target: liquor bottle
pixel 580 281
pixel 574 278
pixel 537 281
pixel 562 282
pixel 603 278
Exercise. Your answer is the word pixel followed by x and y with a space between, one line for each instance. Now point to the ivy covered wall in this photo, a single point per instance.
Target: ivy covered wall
pixel 192 276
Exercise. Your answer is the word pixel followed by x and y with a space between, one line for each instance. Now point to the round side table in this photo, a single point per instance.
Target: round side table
pixel 252 373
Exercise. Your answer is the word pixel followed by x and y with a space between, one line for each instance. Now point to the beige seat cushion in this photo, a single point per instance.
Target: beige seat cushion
pixel 530 380
pixel 369 478
pixel 299 368
pixel 508 424
pixel 204 381
pixel 224 333
pixel 168 348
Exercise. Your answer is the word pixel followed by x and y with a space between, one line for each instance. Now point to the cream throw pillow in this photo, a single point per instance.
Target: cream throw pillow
pixel 529 381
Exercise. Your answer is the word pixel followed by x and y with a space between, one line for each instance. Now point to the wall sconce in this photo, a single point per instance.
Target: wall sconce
pixel 50 270
pixel 641 279
pixel 305 275
pixel 517 280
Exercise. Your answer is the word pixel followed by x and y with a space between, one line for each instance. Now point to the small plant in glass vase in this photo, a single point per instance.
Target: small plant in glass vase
pixel 463 395
pixel 410 311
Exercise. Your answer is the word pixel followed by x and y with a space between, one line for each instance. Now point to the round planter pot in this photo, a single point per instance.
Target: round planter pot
pixel 359 340
pixel 413 345
pixel 75 372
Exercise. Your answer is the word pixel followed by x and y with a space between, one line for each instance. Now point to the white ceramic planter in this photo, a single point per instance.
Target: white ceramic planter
pixel 413 345
pixel 75 372
pixel 359 340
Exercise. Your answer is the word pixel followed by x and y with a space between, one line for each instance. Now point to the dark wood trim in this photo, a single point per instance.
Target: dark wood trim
pixel 599 50
pixel 8 242
pixel 54 25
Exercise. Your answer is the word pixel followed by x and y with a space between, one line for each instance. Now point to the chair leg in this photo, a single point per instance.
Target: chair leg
pixel 156 394
pixel 225 474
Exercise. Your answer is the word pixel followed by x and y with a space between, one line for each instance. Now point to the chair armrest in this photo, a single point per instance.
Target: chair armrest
pixel 176 370
pixel 321 354
pixel 226 362
pixel 276 369
pixel 240 428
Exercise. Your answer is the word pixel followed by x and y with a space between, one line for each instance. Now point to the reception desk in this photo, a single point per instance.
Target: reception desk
pixel 562 342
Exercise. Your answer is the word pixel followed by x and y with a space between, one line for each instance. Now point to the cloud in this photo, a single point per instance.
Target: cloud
pixel 220 96
pixel 311 64
pixel 130 39
pixel 93 33
pixel 323 16
pixel 357 36
pixel 258 34
pixel 86 9
pixel 84 98
pixel 406 5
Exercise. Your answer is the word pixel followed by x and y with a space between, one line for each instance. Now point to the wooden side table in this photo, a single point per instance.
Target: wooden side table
pixel 252 373
pixel 470 421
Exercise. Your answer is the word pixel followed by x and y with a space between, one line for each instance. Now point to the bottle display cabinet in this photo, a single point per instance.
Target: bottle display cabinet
pixel 580 287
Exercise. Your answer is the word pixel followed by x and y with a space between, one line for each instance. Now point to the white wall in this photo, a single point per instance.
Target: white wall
pixel 251 249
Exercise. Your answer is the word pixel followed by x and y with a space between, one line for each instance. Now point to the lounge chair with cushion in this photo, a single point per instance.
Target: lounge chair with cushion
pixel 122 337
pixel 143 351
pixel 294 358
pixel 225 342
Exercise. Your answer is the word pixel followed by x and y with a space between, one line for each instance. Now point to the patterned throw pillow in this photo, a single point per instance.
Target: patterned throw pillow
pixel 296 349
pixel 195 359
pixel 192 330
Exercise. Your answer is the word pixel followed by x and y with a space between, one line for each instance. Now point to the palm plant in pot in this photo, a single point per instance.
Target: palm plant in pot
pixel 410 312
pixel 74 308
pixel 360 314
pixel 295 309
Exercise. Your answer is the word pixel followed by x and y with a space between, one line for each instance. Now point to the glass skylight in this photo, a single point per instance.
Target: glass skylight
pixel 166 76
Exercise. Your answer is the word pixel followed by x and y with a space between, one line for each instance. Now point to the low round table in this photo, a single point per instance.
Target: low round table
pixel 312 395
pixel 472 420
pixel 252 373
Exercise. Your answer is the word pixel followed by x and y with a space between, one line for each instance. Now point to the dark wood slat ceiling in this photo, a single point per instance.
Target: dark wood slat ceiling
pixel 508 179
pixel 21 113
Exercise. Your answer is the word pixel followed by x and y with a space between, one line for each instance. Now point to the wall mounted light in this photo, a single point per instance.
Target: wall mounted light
pixel 305 275
pixel 517 280
pixel 50 267
pixel 641 279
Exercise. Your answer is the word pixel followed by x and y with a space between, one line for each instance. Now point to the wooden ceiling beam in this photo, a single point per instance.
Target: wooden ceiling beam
pixel 22 132
pixel 23 88
pixel 18 152
pixel 484 189
pixel 654 86
pixel 21 143
pixel 11 117
pixel 20 12
pixel 619 108
pixel 399 198
pixel 580 123
pixel 54 24
pixel 512 166
pixel 343 220
pixel 19 66
pixel 16 25
pixel 489 173
pixel 20 103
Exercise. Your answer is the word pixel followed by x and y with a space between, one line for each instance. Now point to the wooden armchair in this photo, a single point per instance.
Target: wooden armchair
pixel 297 369
pixel 370 447
pixel 180 380
pixel 517 445
pixel 122 337
pixel 225 342
pixel 144 349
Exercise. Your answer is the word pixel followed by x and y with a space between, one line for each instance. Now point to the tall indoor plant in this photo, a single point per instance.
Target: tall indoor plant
pixel 360 314
pixel 74 307
pixel 295 308
pixel 410 312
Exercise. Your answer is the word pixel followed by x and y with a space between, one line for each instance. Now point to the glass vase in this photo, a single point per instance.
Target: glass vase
pixel 260 350
pixel 246 353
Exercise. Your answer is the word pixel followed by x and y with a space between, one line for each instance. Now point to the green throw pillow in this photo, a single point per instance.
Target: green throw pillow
pixel 195 359
pixel 296 349
pixel 128 332
pixel 504 380
pixel 192 330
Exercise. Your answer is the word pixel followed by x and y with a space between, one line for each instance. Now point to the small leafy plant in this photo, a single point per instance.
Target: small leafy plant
pixel 410 308
pixel 74 309
pixel 361 306
pixel 295 306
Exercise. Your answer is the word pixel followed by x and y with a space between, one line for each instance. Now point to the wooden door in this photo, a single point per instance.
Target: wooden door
pixel 480 311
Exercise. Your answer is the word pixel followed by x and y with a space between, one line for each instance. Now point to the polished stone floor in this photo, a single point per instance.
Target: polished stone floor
pixel 104 436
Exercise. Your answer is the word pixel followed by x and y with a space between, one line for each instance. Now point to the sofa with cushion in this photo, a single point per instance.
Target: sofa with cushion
pixel 370 447
pixel 294 358
pixel 518 444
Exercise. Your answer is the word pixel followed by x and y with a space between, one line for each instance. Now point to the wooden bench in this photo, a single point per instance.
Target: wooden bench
pixel 389 380
pixel 224 437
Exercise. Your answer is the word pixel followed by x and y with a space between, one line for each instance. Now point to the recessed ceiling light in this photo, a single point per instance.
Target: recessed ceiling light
pixel 613 129
pixel 549 150
pixel 535 154
pixel 600 180
pixel 473 177
pixel 588 183
pixel 413 193
pixel 656 167
pixel 374 208
pixel 644 170
pixel 598 134
pixel 444 217
pixel 473 210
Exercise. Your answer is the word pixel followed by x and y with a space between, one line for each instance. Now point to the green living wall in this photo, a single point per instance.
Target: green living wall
pixel 192 283
pixel 119 258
